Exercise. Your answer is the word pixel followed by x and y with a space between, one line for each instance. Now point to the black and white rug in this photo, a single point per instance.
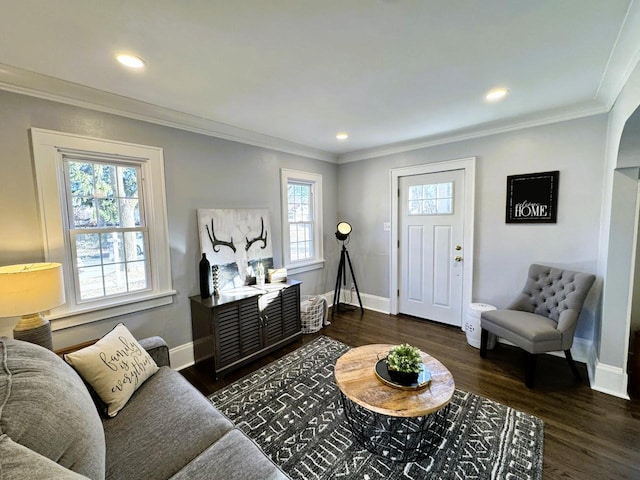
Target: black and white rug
pixel 292 409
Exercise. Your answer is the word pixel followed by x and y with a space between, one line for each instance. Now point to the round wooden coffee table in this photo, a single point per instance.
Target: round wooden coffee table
pixel 402 425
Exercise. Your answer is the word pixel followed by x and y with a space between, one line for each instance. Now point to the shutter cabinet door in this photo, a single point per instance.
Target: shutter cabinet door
pixel 250 327
pixel 291 310
pixel 229 347
pixel 272 317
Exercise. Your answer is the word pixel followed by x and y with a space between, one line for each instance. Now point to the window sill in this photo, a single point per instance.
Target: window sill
pixel 295 268
pixel 81 316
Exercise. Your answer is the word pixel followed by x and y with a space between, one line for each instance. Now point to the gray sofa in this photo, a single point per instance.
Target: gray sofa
pixel 50 426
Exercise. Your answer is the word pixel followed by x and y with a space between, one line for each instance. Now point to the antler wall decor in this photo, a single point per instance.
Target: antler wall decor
pixel 260 238
pixel 216 243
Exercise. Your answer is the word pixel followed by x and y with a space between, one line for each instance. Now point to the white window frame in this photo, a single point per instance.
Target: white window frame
pixel 49 149
pixel 315 181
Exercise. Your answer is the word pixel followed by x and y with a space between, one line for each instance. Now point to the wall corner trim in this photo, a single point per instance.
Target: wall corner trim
pixel 607 378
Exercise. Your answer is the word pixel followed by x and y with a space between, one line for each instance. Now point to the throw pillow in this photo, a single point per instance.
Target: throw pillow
pixel 115 366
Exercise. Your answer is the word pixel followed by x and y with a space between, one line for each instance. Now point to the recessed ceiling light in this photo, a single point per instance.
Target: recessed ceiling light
pixel 130 61
pixel 342 136
pixel 496 94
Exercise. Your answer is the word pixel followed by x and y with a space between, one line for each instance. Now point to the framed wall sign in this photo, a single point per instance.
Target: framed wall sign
pixel 532 197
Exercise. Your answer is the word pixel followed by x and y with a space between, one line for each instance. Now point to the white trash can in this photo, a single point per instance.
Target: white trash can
pixel 472 325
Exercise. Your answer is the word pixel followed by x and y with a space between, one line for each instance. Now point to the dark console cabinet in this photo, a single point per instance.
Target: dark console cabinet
pixel 230 331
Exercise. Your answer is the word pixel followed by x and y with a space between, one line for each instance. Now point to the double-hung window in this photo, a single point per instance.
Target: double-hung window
pixel 103 210
pixel 302 220
pixel 107 227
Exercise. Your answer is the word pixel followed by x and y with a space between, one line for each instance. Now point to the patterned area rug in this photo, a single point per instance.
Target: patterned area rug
pixel 292 409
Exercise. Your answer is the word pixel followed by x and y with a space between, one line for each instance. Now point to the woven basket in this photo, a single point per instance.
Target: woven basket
pixel 312 312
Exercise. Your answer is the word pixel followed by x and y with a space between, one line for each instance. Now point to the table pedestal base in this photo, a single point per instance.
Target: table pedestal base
pixel 400 439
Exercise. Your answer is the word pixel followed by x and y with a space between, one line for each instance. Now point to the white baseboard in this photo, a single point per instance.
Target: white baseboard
pixel 606 378
pixel 181 356
pixel 370 302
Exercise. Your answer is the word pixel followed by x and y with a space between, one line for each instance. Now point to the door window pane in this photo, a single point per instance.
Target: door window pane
pixel 431 199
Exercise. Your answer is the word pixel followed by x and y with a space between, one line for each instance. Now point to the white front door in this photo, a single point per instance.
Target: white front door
pixel 431 223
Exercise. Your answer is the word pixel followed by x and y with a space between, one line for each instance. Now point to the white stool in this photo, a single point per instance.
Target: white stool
pixel 472 325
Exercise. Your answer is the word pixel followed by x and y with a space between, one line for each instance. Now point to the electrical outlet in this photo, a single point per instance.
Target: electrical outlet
pixel 386 226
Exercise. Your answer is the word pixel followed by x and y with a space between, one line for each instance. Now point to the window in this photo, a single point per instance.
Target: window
pixel 103 212
pixel 107 230
pixel 431 199
pixel 300 216
pixel 302 220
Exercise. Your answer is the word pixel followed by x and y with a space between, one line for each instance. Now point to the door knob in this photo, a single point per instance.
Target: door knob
pixel 458 247
pixel 458 258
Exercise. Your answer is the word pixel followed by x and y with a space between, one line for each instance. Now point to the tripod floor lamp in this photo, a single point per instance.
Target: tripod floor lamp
pixel 342 235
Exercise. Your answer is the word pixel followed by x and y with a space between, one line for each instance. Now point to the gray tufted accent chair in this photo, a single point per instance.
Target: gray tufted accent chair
pixel 543 318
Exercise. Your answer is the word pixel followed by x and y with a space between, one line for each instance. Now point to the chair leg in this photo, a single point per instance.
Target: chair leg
pixel 484 340
pixel 572 365
pixel 530 369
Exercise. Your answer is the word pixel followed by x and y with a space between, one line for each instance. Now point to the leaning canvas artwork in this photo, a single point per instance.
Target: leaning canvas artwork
pixel 238 241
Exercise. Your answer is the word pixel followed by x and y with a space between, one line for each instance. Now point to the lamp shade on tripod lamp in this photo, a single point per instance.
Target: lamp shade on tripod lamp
pixel 27 290
pixel 343 230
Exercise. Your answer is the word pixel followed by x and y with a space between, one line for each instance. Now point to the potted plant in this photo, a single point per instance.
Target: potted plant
pixel 404 364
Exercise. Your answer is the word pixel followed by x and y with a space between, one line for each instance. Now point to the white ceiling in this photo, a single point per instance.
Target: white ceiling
pixel 290 74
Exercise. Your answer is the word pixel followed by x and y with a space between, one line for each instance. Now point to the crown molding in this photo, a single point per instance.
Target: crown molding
pixel 623 59
pixel 482 130
pixel 49 88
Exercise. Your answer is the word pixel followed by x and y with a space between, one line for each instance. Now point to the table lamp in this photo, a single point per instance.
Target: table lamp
pixel 27 290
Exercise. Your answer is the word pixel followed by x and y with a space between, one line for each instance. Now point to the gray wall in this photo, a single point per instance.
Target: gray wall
pixel 200 171
pixel 502 252
pixel 207 172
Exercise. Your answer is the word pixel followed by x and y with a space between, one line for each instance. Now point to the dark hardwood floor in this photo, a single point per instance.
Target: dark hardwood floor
pixel 588 435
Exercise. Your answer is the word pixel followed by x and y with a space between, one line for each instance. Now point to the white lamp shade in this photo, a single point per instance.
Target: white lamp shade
pixel 30 288
pixel 344 228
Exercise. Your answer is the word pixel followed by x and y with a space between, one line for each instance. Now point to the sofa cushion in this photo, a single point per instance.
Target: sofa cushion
pixel 115 366
pixel 45 407
pixel 18 463
pixel 167 423
pixel 233 457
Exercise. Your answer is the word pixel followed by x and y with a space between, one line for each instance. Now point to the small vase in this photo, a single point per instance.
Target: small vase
pixel 403 378
pixel 205 272
pixel 215 277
